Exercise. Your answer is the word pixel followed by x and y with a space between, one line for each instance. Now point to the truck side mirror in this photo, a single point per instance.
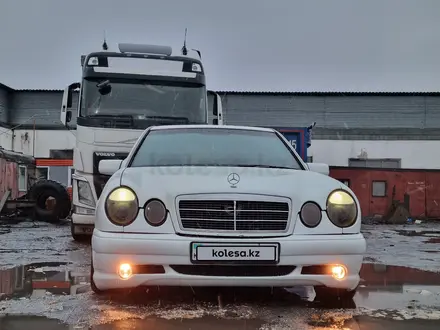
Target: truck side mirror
pixel 217 109
pixel 67 102
pixel 64 106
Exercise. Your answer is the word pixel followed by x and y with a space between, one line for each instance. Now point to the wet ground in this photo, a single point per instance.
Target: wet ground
pixel 44 275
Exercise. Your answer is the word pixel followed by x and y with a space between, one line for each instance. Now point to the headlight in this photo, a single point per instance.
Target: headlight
pixel 310 214
pixel 121 206
pixel 85 195
pixel 341 209
pixel 155 212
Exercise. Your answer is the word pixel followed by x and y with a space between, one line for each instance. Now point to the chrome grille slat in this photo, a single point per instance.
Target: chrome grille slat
pixel 236 215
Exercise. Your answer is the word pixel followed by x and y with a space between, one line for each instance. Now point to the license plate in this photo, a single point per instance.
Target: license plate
pixel 235 253
pixel 83 230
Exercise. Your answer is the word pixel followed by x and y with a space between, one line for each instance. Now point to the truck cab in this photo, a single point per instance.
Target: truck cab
pixel 120 95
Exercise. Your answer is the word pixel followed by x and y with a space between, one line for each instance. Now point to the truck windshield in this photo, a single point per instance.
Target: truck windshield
pixel 145 100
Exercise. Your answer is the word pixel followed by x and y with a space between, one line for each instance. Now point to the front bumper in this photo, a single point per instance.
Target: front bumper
pixel 83 219
pixel 109 250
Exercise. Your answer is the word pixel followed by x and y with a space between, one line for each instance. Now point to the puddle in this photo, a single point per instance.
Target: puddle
pixel 39 279
pixel 396 287
pixel 382 287
pixel 433 240
pixel 429 233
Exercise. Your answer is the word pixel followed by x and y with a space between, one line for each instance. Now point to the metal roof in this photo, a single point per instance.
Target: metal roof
pixel 338 93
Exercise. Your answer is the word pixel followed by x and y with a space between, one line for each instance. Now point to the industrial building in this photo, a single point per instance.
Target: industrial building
pixel 392 133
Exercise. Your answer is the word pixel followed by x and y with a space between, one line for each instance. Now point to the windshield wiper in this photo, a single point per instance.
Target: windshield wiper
pixel 265 166
pixel 170 118
pixel 98 115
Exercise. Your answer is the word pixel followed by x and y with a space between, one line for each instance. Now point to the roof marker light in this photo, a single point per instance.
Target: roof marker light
pixel 196 67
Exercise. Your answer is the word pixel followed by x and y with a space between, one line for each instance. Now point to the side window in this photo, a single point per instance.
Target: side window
pixel 42 173
pixel 379 189
pixel 22 178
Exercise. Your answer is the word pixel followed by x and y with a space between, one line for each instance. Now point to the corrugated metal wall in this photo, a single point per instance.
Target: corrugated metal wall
pixel 332 112
pixel 3 105
pixel 43 107
pixel 349 117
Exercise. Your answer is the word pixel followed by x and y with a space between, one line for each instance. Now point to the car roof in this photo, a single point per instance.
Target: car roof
pixel 247 128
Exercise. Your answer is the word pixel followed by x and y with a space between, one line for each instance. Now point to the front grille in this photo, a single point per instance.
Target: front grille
pixel 234 215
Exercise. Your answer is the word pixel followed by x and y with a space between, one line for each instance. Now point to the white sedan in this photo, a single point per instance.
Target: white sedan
pixel 202 205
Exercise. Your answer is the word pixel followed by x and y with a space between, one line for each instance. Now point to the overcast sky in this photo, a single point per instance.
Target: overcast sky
pixel 289 45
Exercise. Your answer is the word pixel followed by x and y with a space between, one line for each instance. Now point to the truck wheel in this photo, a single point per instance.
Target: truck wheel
pixel 334 295
pixel 45 192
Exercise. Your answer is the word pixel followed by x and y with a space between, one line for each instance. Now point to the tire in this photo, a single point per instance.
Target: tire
pixel 331 295
pixel 44 189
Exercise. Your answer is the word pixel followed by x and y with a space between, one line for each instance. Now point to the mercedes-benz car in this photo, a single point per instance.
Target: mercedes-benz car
pixel 202 205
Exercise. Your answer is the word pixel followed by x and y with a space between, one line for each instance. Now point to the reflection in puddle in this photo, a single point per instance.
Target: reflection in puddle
pixel 428 233
pixel 397 287
pixel 40 279
pixel 382 286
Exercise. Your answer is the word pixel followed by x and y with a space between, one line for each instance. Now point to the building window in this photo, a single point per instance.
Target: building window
pixel 376 162
pixel 345 181
pixel 22 178
pixel 309 159
pixel 42 173
pixel 379 189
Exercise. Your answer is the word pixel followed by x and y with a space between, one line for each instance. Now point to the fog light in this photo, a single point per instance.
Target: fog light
pixel 125 271
pixel 339 272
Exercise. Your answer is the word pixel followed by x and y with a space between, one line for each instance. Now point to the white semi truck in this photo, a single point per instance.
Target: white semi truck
pixel 121 94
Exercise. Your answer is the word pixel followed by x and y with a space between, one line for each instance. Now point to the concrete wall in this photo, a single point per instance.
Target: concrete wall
pixel 45 140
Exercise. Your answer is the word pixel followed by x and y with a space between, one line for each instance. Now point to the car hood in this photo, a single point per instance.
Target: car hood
pixel 166 183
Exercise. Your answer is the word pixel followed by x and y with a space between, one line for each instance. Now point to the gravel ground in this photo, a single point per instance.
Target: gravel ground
pixel 40 251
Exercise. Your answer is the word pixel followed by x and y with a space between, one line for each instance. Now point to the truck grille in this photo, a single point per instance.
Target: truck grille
pixel 234 215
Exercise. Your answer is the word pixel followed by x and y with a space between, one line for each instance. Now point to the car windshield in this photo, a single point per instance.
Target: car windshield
pixel 214 147
pixel 144 100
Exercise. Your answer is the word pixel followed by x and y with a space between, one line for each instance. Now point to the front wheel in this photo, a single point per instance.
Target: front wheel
pixel 329 295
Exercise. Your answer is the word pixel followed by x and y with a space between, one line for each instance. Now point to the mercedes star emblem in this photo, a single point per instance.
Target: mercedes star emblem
pixel 233 179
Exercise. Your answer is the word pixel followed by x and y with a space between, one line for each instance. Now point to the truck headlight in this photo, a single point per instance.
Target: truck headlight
pixel 85 195
pixel 341 209
pixel 122 206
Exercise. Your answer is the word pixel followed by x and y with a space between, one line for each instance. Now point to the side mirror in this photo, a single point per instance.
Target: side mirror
pixel 67 103
pixel 104 87
pixel 217 109
pixel 64 106
pixel 109 166
pixel 319 168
